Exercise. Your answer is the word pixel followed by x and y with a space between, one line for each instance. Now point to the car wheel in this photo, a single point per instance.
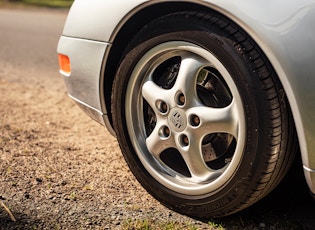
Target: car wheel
pixel 200 115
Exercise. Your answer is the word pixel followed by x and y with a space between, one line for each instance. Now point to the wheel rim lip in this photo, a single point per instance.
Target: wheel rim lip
pixel 136 129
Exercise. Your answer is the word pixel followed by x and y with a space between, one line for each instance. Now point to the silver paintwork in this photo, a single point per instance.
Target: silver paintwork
pixel 83 85
pixel 283 29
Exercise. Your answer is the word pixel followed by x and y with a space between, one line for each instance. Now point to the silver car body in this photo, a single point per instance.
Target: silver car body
pixel 283 29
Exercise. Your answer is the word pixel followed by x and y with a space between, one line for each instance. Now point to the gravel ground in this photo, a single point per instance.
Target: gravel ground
pixel 61 170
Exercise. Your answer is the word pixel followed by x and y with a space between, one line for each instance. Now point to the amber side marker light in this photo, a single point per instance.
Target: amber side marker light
pixel 64 64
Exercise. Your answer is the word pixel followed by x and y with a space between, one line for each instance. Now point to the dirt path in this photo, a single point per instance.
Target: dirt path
pixel 61 170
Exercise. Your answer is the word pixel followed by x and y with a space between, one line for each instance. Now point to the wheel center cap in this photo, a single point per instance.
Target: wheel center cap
pixel 177 120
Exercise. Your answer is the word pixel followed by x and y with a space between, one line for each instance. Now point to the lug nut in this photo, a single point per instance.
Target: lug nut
pixel 185 140
pixel 195 120
pixel 166 131
pixel 181 99
pixel 162 106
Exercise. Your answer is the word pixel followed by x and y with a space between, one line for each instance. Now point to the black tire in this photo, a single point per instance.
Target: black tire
pixel 200 115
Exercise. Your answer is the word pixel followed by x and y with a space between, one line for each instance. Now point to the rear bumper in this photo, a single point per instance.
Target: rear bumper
pixel 83 83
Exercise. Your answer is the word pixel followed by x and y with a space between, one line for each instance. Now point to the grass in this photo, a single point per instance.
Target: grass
pixel 50 3
pixel 43 3
pixel 148 224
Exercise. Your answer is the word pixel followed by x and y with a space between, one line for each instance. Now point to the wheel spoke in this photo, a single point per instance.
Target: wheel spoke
pixel 217 120
pixel 186 79
pixel 193 157
pixel 151 92
pixel 157 143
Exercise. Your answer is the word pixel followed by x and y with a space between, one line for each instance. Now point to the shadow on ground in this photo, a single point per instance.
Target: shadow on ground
pixel 24 221
pixel 289 206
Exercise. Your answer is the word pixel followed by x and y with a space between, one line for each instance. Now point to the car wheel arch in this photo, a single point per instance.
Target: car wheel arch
pixel 152 10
